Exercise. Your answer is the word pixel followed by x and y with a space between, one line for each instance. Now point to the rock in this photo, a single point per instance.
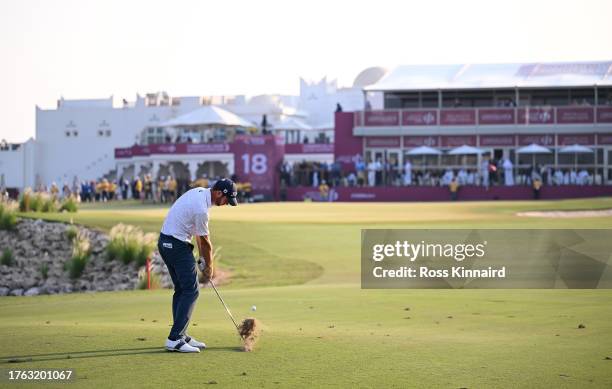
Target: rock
pixel 4 291
pixel 16 292
pixel 32 292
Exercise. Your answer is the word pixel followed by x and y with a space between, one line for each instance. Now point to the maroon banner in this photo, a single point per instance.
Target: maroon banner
pixel 257 160
pixel 440 193
pixel 496 116
pixel 123 152
pixel 573 115
pixel 457 117
pixel 427 117
pixel 604 114
pixel 383 141
pixel 536 115
pixel 309 148
pixel 172 148
pixel 347 147
pixel 457 140
pixel 416 141
pixel 575 139
pixel 381 118
pixel 540 139
pixel 204 148
pixel 497 140
pixel 141 151
pixel 604 139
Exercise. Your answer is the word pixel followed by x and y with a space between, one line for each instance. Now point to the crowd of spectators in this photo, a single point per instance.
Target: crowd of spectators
pixel 376 173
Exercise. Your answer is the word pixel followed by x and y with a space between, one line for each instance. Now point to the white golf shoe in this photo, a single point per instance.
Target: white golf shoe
pixel 180 346
pixel 194 343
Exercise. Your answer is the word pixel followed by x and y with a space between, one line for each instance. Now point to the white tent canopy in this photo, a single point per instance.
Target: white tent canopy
pixel 292 123
pixel 465 149
pixel 209 115
pixel 533 149
pixel 424 150
pixel 576 149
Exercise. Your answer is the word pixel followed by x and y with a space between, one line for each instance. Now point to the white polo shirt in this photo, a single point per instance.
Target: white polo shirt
pixel 188 215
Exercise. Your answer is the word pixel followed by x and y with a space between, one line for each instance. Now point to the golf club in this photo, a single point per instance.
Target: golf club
pixel 226 308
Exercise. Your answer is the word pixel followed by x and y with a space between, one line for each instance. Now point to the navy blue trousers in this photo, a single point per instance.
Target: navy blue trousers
pixel 178 257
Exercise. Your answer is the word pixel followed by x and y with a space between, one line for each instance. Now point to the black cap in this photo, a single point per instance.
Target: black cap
pixel 228 188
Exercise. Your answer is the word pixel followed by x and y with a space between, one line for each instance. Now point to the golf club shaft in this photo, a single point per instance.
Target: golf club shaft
pixel 225 306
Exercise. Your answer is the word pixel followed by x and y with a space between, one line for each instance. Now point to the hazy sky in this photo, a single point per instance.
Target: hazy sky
pixel 94 49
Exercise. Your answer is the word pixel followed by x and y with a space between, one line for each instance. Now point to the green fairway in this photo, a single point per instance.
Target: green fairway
pixel 299 264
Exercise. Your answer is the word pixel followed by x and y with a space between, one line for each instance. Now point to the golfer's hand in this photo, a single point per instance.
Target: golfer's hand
pixel 207 271
pixel 201 265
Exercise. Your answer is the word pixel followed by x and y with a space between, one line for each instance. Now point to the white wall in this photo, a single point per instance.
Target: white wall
pixel 18 167
pixel 89 156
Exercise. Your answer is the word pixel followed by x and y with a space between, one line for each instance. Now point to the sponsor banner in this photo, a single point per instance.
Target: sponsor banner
pixel 540 139
pixel 575 139
pixel 457 117
pixel 497 116
pixel 536 115
pixel 381 118
pixel 203 148
pixel 457 140
pixel 440 193
pixel 574 115
pixel 257 160
pixel 427 117
pixel 172 148
pixel 497 140
pixel 604 114
pixel 604 139
pixel 309 148
pixel 416 141
pixel 486 259
pixel 383 141
pixel 123 152
pixel 141 151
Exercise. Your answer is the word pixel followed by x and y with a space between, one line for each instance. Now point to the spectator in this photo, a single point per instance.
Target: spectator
pixel 537 185
pixel 407 173
pixel 453 187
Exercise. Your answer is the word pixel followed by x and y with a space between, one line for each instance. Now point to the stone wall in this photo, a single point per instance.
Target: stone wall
pixel 36 242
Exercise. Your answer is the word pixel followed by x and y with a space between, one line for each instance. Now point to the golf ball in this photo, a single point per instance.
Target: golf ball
pixel 253 308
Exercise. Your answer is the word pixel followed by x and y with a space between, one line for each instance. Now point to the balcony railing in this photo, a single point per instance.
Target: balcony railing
pixel 484 116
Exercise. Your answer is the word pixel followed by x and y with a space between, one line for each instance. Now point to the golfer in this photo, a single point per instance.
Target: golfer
pixel 188 217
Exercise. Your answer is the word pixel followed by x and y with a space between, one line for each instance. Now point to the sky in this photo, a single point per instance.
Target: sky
pixel 95 49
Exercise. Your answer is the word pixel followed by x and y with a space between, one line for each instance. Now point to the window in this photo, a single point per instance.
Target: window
pixel 151 135
pixel 67 134
pixel 108 133
pixel 604 96
pixel 75 133
pixel 100 132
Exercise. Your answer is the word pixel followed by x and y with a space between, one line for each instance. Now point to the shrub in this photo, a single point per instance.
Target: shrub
pixel 81 249
pixel 24 200
pixel 48 203
pixel 44 270
pixel 71 232
pixel 36 202
pixel 8 218
pixel 129 244
pixel 7 258
pixel 69 205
